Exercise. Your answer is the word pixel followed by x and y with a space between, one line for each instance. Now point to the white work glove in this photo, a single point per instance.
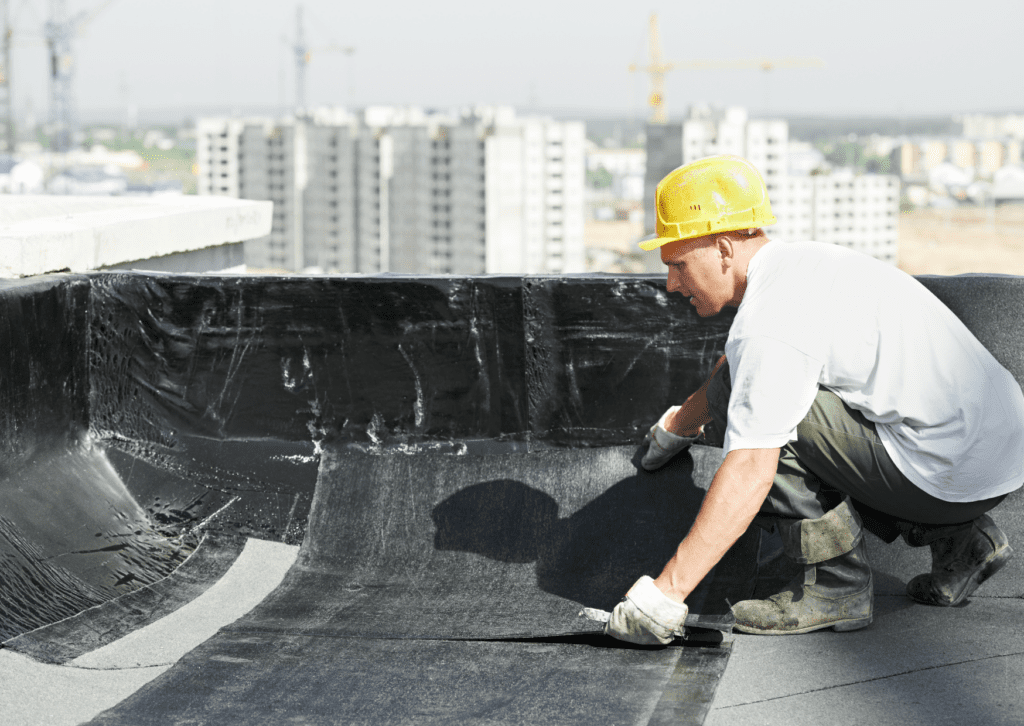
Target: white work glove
pixel 663 445
pixel 646 616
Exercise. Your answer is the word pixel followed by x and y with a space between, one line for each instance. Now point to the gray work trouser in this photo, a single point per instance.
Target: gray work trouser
pixel 837 454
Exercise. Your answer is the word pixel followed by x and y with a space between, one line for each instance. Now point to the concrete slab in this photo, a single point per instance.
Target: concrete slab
pixel 258 570
pixel 61 695
pixel 914 664
pixel 48 233
pixel 37 693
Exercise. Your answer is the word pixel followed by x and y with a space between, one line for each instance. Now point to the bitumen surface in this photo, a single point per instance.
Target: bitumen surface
pixel 386 500
pixel 255 648
pixel 35 693
pixel 914 664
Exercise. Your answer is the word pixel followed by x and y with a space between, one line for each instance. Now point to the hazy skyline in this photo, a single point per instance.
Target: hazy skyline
pixel 879 57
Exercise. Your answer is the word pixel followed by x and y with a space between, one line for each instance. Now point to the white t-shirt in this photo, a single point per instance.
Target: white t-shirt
pixel 949 415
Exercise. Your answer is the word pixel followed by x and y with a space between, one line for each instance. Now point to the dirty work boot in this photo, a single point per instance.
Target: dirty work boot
pixel 836 588
pixel 963 557
pixel 836 593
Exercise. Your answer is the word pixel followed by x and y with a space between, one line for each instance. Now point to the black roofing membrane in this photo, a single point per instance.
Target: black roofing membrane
pixel 442 546
pixel 458 458
pixel 244 679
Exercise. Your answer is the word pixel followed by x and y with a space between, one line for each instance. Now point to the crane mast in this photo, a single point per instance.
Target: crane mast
pixel 301 61
pixel 59 30
pixel 303 52
pixel 6 97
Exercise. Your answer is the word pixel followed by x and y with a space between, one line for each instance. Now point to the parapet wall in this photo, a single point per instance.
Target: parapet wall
pixel 391 361
pixel 377 361
pixel 44 380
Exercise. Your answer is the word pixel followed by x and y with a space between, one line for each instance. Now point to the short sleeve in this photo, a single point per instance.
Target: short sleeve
pixel 773 387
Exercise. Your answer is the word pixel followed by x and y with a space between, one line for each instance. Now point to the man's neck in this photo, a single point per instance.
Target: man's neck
pixel 745 252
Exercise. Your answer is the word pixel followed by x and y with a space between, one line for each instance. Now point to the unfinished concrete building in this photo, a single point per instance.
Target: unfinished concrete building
pixel 402 190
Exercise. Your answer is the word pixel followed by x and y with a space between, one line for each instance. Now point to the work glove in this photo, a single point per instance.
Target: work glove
pixel 646 616
pixel 663 445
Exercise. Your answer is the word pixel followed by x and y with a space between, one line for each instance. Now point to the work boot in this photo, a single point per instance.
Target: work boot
pixel 963 557
pixel 836 587
pixel 837 594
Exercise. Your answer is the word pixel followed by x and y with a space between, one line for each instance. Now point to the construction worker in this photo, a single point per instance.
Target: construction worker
pixel 851 400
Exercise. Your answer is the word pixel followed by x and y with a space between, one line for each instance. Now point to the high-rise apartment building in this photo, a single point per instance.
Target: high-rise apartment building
pixel 855 210
pixel 860 211
pixel 402 190
pixel 257 159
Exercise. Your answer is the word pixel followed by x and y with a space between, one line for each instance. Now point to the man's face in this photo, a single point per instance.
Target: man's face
pixel 696 270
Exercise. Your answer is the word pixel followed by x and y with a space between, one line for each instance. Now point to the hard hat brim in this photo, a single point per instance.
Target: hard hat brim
pixel 653 242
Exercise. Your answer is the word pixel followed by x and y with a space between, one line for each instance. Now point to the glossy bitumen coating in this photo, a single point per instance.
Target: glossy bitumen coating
pixel 392 361
pixel 72 536
pixel 110 620
pixel 223 407
pixel 605 354
pixel 457 457
pixel 302 360
pixel 44 386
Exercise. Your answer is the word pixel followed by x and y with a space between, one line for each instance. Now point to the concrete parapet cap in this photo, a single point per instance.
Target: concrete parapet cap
pixel 41 234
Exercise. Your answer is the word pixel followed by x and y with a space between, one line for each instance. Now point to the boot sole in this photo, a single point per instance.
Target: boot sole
pixel 842 626
pixel 995 563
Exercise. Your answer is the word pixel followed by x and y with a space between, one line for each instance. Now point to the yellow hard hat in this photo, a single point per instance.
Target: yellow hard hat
pixel 716 194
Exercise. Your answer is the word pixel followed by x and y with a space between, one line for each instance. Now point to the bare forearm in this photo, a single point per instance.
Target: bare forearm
pixel 733 499
pixel 694 412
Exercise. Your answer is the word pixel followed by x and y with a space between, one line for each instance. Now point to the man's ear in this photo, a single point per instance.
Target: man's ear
pixel 726 249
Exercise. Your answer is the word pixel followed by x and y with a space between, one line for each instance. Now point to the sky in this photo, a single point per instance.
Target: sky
pixel 879 57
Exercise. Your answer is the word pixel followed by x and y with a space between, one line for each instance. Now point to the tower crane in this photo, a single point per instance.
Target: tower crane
pixel 303 53
pixel 6 98
pixel 60 30
pixel 657 68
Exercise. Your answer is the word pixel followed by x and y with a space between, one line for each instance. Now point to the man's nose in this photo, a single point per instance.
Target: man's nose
pixel 672 283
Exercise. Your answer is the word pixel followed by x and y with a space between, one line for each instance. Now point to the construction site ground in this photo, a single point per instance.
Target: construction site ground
pixel 962 239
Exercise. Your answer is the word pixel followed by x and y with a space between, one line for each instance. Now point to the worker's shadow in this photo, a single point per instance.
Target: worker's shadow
pixel 593 556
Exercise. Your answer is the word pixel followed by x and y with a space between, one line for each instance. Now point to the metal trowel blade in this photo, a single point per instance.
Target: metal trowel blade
pixel 600 616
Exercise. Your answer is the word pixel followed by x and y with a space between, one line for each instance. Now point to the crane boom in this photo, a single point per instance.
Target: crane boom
pixel 658 67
